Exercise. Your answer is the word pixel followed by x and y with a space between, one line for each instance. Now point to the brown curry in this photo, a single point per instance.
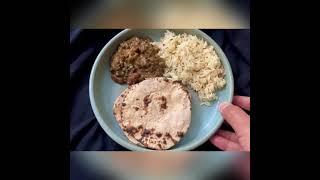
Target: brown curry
pixel 135 60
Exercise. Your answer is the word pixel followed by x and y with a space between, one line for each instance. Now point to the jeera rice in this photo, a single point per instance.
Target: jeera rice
pixel 194 62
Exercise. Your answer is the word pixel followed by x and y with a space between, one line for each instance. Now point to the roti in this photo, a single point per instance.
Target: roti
pixel 155 113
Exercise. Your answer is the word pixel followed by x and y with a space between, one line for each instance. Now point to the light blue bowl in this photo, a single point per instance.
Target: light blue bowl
pixel 103 92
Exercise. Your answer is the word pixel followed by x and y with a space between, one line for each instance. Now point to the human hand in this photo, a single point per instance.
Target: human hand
pixel 239 120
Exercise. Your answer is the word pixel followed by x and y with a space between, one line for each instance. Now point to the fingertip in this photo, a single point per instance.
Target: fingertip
pixel 242 101
pixel 216 140
pixel 224 144
pixel 223 106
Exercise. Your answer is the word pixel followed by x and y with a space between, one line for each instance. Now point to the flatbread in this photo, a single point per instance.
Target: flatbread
pixel 155 113
pixel 117 112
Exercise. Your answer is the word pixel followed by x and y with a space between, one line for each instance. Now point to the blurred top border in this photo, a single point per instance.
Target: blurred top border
pixel 207 14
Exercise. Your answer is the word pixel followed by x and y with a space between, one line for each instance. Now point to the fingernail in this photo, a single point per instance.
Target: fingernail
pixel 223 105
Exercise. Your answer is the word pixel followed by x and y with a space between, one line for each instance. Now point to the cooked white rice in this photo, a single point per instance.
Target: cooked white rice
pixel 194 62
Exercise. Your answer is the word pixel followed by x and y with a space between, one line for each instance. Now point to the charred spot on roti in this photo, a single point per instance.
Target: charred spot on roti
pixel 131 130
pixel 136 108
pixel 159 135
pixel 178 82
pixel 168 135
pixel 164 141
pixel 137 99
pixel 140 139
pixel 121 114
pixel 160 146
pixel 123 104
pixel 174 141
pixel 166 80
pixel 143 142
pixel 185 90
pixel 145 133
pixel 122 95
pixel 180 134
pixel 163 104
pixel 146 101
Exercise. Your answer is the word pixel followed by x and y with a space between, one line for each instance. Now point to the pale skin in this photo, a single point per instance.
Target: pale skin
pixel 239 120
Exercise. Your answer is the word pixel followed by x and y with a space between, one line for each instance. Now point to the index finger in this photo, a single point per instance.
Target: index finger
pixel 242 101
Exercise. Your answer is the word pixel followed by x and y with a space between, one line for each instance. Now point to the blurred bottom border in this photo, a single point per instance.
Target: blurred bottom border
pixel 94 165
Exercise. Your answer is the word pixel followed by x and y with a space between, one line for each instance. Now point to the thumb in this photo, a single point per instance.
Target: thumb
pixel 238 120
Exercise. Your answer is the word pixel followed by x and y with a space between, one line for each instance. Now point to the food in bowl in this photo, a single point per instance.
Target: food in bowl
pixel 182 57
pixel 194 62
pixel 155 113
pixel 136 59
pixel 155 110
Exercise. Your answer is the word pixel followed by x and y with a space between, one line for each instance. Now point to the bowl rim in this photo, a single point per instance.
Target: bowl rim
pixel 134 147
